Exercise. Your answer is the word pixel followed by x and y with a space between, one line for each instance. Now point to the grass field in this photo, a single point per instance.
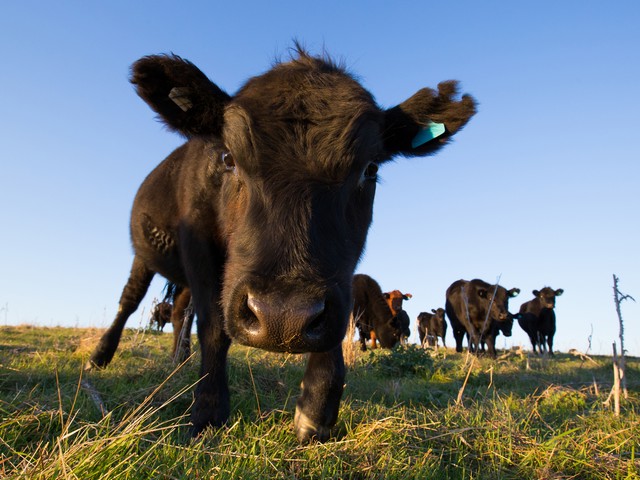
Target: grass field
pixel 519 417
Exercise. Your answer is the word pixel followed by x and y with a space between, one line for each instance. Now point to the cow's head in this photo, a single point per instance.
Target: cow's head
pixel 294 157
pixel 390 332
pixel 497 299
pixel 394 300
pixel 547 296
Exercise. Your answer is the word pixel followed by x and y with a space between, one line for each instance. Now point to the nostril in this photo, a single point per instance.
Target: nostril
pixel 251 319
pixel 314 328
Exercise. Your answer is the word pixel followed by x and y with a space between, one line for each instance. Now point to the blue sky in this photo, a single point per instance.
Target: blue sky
pixel 541 188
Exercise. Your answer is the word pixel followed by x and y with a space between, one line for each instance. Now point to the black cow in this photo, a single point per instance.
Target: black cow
pixel 375 320
pixel 477 308
pixel 537 318
pixel 263 213
pixel 431 326
pixel 405 322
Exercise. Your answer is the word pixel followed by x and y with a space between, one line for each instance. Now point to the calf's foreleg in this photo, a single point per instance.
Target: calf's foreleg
pixel 211 406
pixel 318 404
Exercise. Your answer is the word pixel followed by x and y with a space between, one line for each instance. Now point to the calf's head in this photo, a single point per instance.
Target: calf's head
pixel 394 300
pixel 295 154
pixel 439 325
pixel 547 296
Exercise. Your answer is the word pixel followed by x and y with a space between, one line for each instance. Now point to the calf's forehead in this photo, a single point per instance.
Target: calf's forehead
pixel 305 110
pixel 548 292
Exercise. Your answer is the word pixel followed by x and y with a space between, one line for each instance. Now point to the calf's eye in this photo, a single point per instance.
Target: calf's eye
pixel 371 172
pixel 228 160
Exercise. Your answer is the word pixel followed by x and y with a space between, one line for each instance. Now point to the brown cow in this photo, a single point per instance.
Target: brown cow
pixel 394 300
pixel 476 308
pixel 161 315
pixel 431 326
pixel 377 316
pixel 263 213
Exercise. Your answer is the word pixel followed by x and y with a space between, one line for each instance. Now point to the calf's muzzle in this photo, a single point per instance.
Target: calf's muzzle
pixel 287 322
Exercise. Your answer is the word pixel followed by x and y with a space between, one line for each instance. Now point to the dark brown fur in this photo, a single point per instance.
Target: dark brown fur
pixel 431 326
pixel 376 319
pixel 263 213
pixel 477 309
pixel 537 318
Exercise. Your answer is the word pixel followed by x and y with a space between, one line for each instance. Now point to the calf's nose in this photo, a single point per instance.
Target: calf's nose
pixel 278 321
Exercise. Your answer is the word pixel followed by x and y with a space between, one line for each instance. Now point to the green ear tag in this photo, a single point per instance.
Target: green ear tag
pixel 427 134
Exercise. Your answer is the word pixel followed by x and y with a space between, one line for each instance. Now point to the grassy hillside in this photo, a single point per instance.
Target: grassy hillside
pixel 518 417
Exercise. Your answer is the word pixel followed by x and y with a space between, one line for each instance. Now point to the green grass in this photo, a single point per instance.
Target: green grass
pixel 517 417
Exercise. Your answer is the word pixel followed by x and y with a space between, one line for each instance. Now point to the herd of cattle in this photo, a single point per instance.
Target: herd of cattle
pixel 476 310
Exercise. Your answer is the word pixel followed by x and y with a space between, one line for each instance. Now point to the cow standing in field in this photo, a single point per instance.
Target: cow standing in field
pixel 431 326
pixel 394 300
pixel 378 315
pixel 537 318
pixel 161 315
pixel 476 308
pixel 263 213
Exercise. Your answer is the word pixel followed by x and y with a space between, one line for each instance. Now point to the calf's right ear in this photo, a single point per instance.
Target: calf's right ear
pixel 425 122
pixel 183 97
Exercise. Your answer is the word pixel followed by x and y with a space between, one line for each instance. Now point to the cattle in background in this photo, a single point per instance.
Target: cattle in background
pixel 431 326
pixel 394 300
pixel 161 315
pixel 263 213
pixel 537 318
pixel 375 320
pixel 477 308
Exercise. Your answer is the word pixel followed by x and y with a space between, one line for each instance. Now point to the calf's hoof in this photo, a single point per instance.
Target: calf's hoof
pixel 307 431
pixel 209 411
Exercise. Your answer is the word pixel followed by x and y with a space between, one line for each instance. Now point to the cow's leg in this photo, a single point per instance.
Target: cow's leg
pixel 363 340
pixel 550 343
pixel 132 294
pixel 542 345
pixel 474 342
pixel 491 345
pixel 211 405
pixel 532 338
pixel 459 336
pixel 182 320
pixel 318 404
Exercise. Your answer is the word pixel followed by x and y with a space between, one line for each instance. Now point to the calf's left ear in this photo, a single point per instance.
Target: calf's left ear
pixel 514 292
pixel 559 292
pixel 425 122
pixel 406 296
pixel 184 98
